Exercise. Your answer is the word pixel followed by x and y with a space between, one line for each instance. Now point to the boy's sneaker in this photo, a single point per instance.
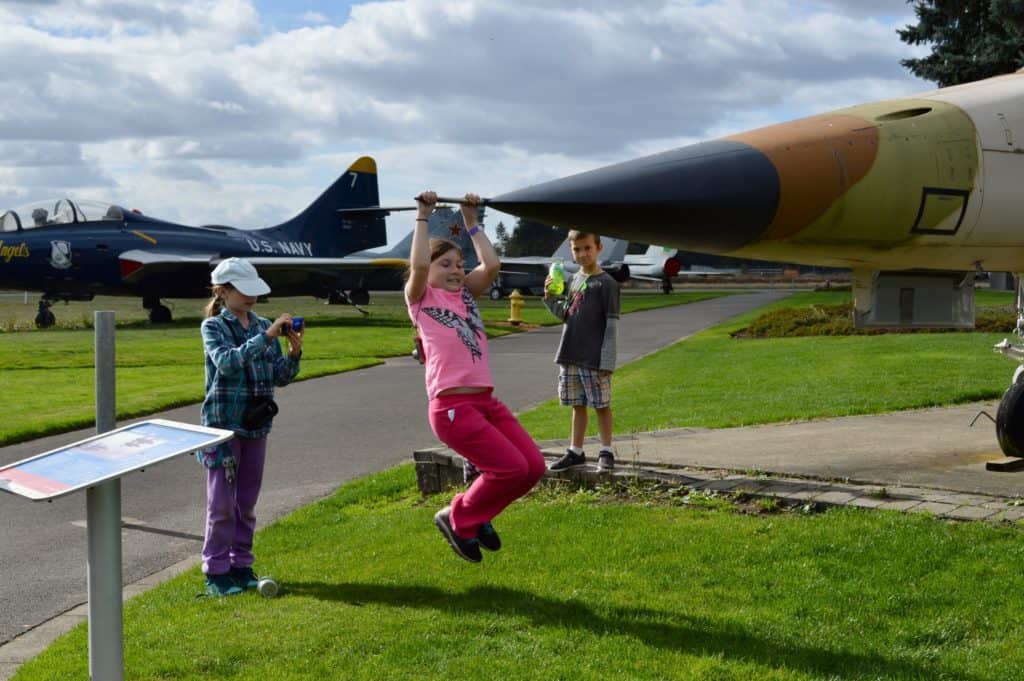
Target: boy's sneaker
pixel 569 461
pixel 605 461
pixel 245 577
pixel 221 585
pixel 488 537
pixel 468 549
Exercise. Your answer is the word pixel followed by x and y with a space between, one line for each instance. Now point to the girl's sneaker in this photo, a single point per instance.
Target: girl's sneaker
pixel 221 585
pixel 488 537
pixel 244 577
pixel 469 549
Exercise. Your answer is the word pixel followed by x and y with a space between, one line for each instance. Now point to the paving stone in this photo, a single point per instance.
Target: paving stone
pixel 782 488
pixel 899 504
pixel 905 492
pixel 805 494
pixel 935 508
pixel 955 498
pixel 749 486
pixel 723 485
pixel 866 501
pixel 1012 514
pixel 834 497
pixel 971 513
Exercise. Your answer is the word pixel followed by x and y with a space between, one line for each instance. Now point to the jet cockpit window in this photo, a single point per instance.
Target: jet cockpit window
pixel 60 212
pixel 10 222
pixel 65 212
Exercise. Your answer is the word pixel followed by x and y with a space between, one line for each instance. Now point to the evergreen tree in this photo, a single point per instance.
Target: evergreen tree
pixel 534 238
pixel 500 238
pixel 971 39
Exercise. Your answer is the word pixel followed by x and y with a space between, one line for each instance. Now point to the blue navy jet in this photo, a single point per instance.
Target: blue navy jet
pixel 75 250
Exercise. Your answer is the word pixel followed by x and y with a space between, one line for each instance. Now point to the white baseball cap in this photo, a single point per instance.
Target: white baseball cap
pixel 242 275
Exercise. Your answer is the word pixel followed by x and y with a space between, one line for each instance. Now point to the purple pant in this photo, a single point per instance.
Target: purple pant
pixel 482 429
pixel 231 507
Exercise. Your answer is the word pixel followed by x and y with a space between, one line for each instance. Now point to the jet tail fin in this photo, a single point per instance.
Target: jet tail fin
pixel 614 249
pixel 330 233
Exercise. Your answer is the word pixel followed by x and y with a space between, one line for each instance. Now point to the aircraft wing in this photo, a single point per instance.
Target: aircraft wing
pixel 137 265
pixel 322 276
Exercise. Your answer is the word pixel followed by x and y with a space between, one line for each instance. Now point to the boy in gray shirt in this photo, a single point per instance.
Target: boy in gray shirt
pixel 586 353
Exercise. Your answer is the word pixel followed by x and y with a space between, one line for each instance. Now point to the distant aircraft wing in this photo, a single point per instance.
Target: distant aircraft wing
pixel 318 276
pixel 138 265
pixel 170 272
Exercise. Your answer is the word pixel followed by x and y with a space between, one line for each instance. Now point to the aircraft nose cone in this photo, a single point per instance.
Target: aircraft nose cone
pixel 714 197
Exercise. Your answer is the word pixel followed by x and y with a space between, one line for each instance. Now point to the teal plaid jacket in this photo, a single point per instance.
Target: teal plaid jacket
pixel 227 362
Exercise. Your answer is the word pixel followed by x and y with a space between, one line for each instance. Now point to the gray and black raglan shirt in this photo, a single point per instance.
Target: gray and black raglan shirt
pixel 590 313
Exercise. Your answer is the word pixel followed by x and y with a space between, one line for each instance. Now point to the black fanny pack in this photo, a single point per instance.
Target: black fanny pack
pixel 260 409
pixel 258 412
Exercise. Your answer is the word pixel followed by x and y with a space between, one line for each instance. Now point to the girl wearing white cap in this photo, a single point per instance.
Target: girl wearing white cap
pixel 243 361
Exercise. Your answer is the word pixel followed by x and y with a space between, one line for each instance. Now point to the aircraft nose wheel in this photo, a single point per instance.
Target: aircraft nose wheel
pixel 44 317
pixel 160 314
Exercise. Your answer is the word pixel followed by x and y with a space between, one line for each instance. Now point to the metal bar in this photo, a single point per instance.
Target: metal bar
pixel 445 199
pixel 103 506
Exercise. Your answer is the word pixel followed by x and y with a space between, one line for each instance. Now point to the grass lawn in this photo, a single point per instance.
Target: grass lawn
pixel 52 371
pixel 714 380
pixel 587 587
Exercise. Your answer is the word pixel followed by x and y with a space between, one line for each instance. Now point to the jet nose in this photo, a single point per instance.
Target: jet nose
pixel 714 197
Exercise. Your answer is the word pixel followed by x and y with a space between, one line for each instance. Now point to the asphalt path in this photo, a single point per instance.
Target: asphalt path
pixel 330 430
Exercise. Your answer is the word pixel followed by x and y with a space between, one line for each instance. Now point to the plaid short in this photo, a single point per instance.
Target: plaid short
pixel 585 387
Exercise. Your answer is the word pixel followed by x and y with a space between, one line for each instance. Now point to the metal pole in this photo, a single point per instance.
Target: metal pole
pixel 103 503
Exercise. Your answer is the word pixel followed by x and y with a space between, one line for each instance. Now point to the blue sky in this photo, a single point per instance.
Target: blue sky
pixel 285 15
pixel 241 112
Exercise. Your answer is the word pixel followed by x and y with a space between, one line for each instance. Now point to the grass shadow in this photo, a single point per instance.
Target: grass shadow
pixel 661 629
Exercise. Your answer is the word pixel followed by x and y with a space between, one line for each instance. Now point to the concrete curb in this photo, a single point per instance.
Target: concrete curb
pixel 440 468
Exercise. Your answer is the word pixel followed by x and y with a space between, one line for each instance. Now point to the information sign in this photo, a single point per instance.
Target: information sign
pixel 106 456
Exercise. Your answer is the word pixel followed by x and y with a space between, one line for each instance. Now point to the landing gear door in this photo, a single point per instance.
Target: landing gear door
pixel 914 300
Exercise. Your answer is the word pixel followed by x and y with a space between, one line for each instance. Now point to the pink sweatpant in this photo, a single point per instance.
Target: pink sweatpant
pixel 483 430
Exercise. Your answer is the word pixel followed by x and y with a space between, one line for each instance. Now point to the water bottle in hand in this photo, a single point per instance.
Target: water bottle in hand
pixel 557 273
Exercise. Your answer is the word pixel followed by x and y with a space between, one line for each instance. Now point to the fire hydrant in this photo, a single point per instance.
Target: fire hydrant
pixel 515 301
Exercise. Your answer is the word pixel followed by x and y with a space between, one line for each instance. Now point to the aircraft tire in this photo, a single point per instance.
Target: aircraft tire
pixel 1010 421
pixel 160 314
pixel 359 296
pixel 45 319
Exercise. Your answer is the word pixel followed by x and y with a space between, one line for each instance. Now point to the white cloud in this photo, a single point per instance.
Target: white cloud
pixel 201 109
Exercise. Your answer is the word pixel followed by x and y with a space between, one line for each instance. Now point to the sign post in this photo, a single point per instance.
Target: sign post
pixel 103 519
pixel 97 464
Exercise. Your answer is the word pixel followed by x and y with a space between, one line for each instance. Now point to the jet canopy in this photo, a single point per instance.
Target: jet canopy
pixel 58 212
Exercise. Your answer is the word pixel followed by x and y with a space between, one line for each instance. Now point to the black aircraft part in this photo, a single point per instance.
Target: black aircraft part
pixel 359 296
pixel 710 197
pixel 1010 421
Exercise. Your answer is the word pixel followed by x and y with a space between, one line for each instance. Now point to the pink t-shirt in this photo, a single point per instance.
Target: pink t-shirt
pixel 453 340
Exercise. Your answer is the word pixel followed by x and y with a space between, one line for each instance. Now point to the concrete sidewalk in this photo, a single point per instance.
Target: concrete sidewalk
pixel 934 448
pixel 926 460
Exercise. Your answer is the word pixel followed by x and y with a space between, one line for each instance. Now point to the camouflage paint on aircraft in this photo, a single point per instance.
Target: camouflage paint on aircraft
pixel 931 181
